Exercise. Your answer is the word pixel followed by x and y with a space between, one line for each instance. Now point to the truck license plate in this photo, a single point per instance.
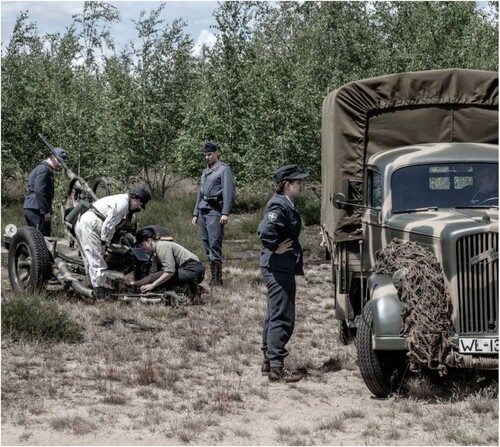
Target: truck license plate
pixel 478 345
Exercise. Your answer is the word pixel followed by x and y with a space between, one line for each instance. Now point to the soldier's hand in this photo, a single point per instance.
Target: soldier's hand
pixel 47 217
pixel 103 249
pixel 223 219
pixel 194 220
pixel 284 246
pixel 147 288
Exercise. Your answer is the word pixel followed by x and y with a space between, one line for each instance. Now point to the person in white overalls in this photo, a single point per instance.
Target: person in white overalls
pixel 96 227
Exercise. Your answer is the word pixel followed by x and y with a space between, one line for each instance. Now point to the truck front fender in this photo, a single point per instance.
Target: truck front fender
pixel 386 312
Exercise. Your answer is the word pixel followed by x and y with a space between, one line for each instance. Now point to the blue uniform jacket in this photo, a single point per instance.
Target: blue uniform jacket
pixel 40 189
pixel 217 190
pixel 281 221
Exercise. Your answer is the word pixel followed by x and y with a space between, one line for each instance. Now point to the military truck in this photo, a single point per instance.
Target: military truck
pixel 406 157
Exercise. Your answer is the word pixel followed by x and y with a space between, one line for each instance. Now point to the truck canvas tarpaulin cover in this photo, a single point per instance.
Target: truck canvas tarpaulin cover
pixel 364 117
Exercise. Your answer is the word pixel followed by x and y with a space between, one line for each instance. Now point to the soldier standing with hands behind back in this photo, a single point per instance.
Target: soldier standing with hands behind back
pixel 213 207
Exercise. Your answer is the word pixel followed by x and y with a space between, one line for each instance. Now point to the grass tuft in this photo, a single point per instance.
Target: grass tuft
pixel 74 424
pixel 146 374
pixel 33 318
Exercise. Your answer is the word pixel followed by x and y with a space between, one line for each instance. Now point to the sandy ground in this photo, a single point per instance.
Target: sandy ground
pixel 331 406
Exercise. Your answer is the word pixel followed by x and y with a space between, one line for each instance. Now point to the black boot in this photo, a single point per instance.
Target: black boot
pixel 216 268
pixel 213 273
pixel 219 274
pixel 265 368
pixel 281 374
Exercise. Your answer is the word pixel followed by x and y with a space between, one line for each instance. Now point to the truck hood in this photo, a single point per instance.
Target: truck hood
pixel 445 222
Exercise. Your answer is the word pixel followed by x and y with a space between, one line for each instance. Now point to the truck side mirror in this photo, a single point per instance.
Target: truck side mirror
pixel 350 195
pixel 339 200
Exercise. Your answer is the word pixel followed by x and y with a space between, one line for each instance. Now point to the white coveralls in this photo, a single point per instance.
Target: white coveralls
pixel 91 230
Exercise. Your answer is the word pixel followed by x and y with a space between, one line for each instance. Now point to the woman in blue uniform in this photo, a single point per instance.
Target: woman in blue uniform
pixel 280 261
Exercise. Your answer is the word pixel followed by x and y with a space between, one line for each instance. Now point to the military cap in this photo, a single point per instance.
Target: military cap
pixel 143 234
pixel 61 153
pixel 143 194
pixel 210 146
pixel 289 172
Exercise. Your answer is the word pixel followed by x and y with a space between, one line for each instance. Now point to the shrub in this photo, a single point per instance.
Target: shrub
pixel 33 318
pixel 310 206
pixel 252 198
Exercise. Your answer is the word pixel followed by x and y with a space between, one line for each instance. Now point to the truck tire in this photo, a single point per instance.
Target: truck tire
pixel 29 260
pixel 382 371
pixel 346 335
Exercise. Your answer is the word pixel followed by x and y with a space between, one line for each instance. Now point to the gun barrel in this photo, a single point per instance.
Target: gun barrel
pixel 79 183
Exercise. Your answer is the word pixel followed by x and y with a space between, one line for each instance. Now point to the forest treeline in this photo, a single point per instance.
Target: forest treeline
pixel 141 113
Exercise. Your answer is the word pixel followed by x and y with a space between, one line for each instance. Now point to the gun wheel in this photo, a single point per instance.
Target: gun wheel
pixel 29 260
pixel 101 187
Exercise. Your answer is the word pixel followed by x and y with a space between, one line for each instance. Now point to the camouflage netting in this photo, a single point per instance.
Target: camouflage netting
pixel 426 305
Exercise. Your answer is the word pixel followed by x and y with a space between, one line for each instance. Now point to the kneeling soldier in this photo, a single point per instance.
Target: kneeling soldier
pixel 179 265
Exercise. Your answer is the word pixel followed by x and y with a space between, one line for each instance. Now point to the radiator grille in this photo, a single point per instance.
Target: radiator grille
pixel 477 267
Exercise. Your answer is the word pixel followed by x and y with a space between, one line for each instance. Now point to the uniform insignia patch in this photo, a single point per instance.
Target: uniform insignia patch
pixel 272 217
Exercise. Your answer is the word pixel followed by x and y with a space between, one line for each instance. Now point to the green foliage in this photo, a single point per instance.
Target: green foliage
pixel 141 114
pixel 310 206
pixel 250 198
pixel 33 318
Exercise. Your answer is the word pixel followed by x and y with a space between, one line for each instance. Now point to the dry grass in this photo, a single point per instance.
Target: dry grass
pixel 191 375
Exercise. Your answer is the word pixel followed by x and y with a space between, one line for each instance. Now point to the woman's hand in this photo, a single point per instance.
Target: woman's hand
pixel 284 246
pixel 147 288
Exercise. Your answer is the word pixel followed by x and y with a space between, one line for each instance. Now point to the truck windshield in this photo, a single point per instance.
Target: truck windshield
pixel 458 185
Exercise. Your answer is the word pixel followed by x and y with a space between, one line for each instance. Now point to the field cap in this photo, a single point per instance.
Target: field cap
pixel 61 153
pixel 289 172
pixel 144 195
pixel 143 234
pixel 210 146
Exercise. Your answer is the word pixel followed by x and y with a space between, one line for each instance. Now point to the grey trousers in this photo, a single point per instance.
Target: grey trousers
pixel 212 233
pixel 37 220
pixel 280 318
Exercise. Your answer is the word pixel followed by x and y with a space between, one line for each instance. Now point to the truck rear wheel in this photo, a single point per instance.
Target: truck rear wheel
pixel 346 334
pixel 382 371
pixel 29 260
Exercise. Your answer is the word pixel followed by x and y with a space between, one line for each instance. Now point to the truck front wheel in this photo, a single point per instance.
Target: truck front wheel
pixel 382 371
pixel 29 260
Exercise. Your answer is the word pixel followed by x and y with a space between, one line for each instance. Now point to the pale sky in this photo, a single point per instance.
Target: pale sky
pixel 55 16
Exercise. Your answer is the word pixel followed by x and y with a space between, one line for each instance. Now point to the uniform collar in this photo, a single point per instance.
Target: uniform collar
pixel 214 167
pixel 287 199
pixel 46 163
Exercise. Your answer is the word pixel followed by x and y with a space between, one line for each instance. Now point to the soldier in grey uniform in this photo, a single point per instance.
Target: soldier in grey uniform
pixel 280 260
pixel 38 203
pixel 213 207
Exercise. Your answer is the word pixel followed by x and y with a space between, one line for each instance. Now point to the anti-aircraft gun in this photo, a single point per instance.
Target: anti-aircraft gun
pixel 34 259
